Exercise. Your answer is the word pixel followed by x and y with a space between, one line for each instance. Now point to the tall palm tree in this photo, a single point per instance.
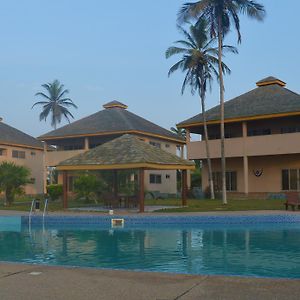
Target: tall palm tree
pixel 199 61
pixel 220 14
pixel 55 103
pixel 179 131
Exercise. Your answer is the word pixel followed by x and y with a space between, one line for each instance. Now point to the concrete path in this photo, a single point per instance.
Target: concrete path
pixel 32 282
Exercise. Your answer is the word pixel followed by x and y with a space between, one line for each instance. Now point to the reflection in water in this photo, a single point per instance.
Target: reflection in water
pixel 271 251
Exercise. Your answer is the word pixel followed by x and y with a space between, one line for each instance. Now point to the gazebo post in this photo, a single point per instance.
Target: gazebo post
pixel 65 189
pixel 115 183
pixel 142 190
pixel 184 187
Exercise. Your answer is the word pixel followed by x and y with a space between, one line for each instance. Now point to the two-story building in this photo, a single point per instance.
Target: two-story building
pixel 105 125
pixel 24 150
pixel 262 145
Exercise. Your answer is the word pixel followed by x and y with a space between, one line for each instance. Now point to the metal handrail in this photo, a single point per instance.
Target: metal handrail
pixel 31 210
pixel 45 208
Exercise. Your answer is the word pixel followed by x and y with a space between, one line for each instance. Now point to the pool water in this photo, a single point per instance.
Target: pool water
pixel 267 250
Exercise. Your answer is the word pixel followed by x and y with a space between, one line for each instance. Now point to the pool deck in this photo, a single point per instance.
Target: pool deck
pixel 35 282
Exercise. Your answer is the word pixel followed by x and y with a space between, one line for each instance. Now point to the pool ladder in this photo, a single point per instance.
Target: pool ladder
pixel 32 209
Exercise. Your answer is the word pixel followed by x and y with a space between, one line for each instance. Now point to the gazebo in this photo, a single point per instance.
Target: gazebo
pixel 126 152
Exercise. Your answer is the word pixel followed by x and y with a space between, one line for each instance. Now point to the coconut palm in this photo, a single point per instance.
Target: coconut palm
pixel 199 61
pixel 179 131
pixel 55 103
pixel 220 15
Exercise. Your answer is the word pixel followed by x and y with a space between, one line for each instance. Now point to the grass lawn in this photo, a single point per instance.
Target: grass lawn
pixel 25 205
pixel 193 205
pixel 216 205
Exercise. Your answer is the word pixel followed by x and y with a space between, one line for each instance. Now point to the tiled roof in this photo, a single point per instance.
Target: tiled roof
pixel 270 97
pixel 125 150
pixel 114 118
pixel 11 135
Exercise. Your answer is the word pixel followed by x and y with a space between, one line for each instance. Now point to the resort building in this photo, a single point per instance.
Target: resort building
pixel 24 150
pixel 108 124
pixel 262 145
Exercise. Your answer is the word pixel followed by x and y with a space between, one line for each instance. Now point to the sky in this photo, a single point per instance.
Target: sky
pixel 115 50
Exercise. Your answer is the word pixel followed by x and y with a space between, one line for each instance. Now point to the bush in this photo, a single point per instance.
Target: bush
pixel 55 191
pixel 88 186
pixel 12 180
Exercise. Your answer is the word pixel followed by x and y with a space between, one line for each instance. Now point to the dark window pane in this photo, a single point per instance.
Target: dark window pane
pixel 293 179
pixel 285 180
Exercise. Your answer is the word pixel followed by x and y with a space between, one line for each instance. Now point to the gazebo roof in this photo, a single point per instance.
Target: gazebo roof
pixel 125 152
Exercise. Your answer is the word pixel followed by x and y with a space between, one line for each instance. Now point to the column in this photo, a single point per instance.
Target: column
pixel 115 183
pixel 188 137
pixel 246 173
pixel 245 160
pixel 65 189
pixel 141 190
pixel 86 143
pixel 184 187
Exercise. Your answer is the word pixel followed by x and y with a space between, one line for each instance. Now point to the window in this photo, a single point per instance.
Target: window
pixel 289 129
pixel 290 179
pixel 32 180
pixel 155 178
pixel 167 146
pixel 260 131
pixel 168 176
pixel 18 154
pixel 73 147
pixel 231 181
pixel 3 152
pixel 32 153
pixel 155 144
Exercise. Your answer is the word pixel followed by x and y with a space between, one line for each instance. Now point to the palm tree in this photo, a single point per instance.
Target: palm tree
pixel 179 131
pixel 220 14
pixel 55 103
pixel 199 61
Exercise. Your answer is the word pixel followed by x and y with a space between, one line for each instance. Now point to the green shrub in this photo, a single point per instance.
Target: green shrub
pixel 12 180
pixel 55 191
pixel 88 186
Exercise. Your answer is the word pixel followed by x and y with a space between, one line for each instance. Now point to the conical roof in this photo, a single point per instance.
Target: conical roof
pixel 269 99
pixel 125 152
pixel 114 119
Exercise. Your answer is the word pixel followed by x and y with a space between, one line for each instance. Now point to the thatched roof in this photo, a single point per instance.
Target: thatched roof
pixel 269 98
pixel 12 136
pixel 114 119
pixel 125 152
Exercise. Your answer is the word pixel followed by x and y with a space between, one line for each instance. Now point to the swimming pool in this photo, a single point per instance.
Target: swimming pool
pixel 267 246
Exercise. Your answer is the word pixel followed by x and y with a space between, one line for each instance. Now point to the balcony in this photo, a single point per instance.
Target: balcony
pixel 274 144
pixel 53 158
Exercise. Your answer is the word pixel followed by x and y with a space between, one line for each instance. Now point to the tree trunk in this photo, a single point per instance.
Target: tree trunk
pixel 222 129
pixel 210 178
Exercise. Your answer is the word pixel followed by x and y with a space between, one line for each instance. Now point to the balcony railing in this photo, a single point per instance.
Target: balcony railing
pixel 274 144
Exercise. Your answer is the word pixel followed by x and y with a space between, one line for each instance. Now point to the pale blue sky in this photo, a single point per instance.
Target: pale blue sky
pixel 114 50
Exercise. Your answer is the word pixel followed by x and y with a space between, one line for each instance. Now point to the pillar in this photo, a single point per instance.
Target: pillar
pixel 115 183
pixel 142 190
pixel 246 175
pixel 86 143
pixel 65 189
pixel 245 160
pixel 184 187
